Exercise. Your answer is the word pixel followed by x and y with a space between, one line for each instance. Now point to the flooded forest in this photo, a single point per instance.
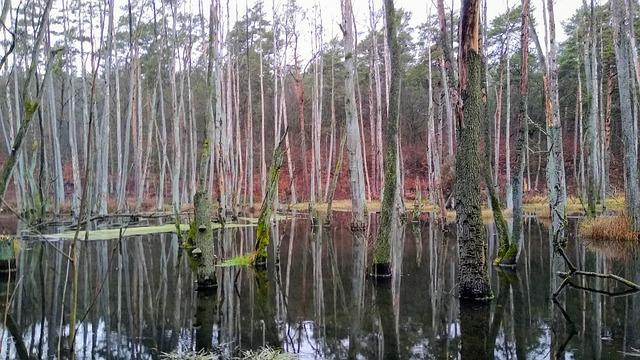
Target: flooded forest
pixel 340 179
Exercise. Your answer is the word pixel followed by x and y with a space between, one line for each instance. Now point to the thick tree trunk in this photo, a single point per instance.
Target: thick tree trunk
pixel 621 24
pixel 356 172
pixel 390 195
pixel 522 123
pixel 473 279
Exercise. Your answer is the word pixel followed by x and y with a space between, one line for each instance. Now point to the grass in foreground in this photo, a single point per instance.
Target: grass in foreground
pixel 265 353
pixel 609 228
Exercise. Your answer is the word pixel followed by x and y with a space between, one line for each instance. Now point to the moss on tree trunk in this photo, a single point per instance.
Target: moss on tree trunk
pixel 496 207
pixel 382 254
pixel 262 232
pixel 472 274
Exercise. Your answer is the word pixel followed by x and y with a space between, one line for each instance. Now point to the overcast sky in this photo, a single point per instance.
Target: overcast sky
pixel 419 9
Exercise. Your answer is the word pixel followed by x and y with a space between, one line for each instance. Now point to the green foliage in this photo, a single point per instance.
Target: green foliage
pixel 30 107
pixel 240 260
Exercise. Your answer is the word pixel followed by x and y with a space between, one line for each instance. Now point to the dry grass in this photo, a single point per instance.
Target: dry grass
pixel 265 353
pixel 621 250
pixel 608 228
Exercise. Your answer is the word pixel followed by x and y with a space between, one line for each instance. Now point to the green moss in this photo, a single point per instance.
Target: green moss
pixel 30 107
pixel 240 260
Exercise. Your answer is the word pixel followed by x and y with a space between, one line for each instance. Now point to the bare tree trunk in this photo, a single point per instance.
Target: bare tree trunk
pixel 356 172
pixel 175 120
pixel 472 267
pixel 103 153
pixel 555 166
pixel 163 144
pixel 332 135
pixel 57 156
pixel 250 144
pixel 335 174
pixel 621 24
pixel 391 197
pixel 576 135
pixel 375 68
pixel 432 144
pixel 507 138
pixel 31 105
pixel 448 77
pixel 607 128
pixel 498 132
pixel 263 163
pixel 522 123
pixel 592 129
pixel 299 86
pixel 73 144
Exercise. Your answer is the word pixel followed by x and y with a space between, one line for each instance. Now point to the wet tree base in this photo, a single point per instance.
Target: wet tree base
pixel 206 285
pixel 260 262
pixel 380 271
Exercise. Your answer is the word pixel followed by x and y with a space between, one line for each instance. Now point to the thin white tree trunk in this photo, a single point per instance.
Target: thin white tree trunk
pixel 163 143
pixel 356 171
pixel 57 157
pixel 507 137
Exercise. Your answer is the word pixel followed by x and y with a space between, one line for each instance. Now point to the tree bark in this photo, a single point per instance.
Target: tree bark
pixel 473 278
pixel 522 123
pixel 390 195
pixel 356 172
pixel 621 25
pixel 555 165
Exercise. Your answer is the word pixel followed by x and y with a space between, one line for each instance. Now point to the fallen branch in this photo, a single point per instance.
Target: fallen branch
pixel 573 271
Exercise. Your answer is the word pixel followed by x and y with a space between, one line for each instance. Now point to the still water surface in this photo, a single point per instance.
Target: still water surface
pixel 137 299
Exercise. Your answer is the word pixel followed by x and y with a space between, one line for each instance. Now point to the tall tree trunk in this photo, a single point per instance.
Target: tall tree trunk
pixel 103 146
pixel 555 166
pixel 473 279
pixel 175 120
pixel 390 196
pixel 356 172
pixel 507 138
pixel 592 128
pixel 621 24
pixel 263 162
pixel 522 124
pixel 448 78
pixel 30 105
pixel 163 144
pixel 58 179
pixel 332 135
pixel 432 146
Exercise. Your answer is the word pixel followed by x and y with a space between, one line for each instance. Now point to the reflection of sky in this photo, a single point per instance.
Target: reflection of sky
pixel 91 343
pixel 426 328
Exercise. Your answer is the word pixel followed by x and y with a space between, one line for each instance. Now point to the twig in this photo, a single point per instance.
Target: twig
pixel 573 271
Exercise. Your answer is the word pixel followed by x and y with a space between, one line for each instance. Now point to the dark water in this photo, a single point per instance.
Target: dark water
pixel 136 299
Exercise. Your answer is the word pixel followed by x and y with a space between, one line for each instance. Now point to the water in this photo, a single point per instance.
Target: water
pixel 136 298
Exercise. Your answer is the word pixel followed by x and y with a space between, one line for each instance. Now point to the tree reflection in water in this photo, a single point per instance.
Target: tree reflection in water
pixel 314 299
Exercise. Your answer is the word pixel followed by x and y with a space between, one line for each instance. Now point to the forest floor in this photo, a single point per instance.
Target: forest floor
pixel 535 205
